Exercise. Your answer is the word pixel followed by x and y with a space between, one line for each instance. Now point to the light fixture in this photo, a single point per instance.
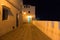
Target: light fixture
pixel 29 16
pixel 24 12
pixel 2 4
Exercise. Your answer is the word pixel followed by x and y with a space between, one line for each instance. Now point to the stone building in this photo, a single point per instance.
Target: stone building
pixel 10 15
pixel 28 11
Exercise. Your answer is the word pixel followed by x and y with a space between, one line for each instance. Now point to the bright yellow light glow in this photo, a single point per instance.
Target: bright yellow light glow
pixel 29 16
pixel 2 4
pixel 24 12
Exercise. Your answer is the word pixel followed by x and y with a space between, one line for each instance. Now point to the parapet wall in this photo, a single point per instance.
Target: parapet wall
pixel 50 28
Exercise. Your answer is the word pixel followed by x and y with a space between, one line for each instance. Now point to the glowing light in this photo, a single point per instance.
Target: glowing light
pixel 24 12
pixel 2 4
pixel 29 18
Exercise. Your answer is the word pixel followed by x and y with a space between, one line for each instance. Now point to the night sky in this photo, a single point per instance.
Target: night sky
pixel 46 9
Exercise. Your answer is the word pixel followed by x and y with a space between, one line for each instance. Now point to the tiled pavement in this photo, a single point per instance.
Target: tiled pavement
pixel 27 32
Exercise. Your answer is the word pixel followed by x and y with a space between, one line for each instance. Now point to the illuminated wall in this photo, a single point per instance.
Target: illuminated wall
pixel 50 28
pixel 10 23
pixel 29 10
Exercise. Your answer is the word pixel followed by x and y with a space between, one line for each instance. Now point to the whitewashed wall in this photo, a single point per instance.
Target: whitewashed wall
pixel 7 25
pixel 32 12
pixel 50 28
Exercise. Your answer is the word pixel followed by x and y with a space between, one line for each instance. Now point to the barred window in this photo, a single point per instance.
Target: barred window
pixel 5 11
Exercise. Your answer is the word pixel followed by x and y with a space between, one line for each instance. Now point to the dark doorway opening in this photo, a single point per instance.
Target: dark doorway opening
pixel 16 20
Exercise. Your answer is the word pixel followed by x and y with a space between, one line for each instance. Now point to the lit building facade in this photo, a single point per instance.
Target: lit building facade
pixel 28 11
pixel 10 15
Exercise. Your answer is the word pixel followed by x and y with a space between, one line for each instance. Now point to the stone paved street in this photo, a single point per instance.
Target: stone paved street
pixel 27 32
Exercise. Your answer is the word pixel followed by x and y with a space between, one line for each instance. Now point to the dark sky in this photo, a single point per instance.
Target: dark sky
pixel 46 9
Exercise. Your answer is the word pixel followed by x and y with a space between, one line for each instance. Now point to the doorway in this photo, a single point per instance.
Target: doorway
pixel 17 20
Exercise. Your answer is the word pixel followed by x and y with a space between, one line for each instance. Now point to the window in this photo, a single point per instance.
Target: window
pixel 28 11
pixel 5 11
pixel 26 6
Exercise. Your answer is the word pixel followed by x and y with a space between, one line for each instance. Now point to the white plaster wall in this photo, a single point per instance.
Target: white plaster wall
pixel 50 28
pixel 32 12
pixel 6 25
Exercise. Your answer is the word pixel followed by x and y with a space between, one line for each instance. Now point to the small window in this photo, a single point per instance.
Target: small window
pixel 5 12
pixel 28 11
pixel 26 6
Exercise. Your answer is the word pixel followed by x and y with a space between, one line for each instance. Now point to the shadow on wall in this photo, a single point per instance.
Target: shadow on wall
pixel 38 34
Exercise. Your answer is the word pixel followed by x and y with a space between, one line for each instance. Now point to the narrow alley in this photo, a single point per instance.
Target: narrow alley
pixel 27 32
